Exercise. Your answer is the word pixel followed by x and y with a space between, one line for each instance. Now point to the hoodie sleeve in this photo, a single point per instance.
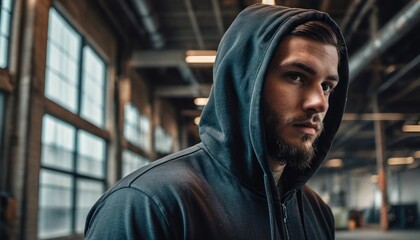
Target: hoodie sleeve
pixel 130 214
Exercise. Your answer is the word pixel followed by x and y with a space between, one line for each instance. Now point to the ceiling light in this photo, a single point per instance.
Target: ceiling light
pixel 334 163
pixel 200 56
pixel 201 101
pixel 197 120
pixel 411 128
pixel 400 161
pixel 270 2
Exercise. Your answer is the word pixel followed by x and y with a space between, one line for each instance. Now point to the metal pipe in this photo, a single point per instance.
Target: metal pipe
pixel 389 34
pixel 150 22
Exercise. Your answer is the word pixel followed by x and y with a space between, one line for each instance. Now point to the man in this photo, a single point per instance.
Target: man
pixel 269 123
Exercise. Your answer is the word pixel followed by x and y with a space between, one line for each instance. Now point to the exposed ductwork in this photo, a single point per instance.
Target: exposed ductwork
pixel 150 22
pixel 405 20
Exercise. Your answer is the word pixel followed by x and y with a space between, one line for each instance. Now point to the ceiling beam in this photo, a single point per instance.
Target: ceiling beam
pixel 199 90
pixel 194 24
pixel 218 15
pixel 379 116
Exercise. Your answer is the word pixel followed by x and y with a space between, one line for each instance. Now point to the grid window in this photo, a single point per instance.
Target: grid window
pixel 72 177
pixel 63 57
pixel 163 140
pixel 88 192
pixel 93 87
pixel 55 204
pixel 57 144
pixel 91 155
pixel 136 127
pixel 132 162
pixel 5 23
pixel 75 74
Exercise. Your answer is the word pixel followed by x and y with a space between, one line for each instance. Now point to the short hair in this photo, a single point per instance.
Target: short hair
pixel 319 31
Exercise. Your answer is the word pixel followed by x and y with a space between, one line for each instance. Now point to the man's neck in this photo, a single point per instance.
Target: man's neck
pixel 276 169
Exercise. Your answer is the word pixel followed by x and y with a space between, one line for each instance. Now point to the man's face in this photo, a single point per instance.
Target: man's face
pixel 300 79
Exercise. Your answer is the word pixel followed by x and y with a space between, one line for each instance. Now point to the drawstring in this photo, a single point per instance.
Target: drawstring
pixel 271 212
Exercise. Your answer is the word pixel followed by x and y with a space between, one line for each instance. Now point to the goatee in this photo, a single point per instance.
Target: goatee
pixel 298 157
pixel 295 157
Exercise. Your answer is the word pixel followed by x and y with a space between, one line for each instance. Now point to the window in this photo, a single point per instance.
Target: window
pixel 5 22
pixel 163 140
pixel 75 74
pixel 73 161
pixel 132 162
pixel 72 177
pixel 136 127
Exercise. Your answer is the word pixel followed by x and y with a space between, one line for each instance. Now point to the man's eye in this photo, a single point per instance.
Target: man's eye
pixel 327 87
pixel 294 76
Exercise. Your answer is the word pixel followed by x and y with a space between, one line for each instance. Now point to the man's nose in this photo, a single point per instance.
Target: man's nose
pixel 315 101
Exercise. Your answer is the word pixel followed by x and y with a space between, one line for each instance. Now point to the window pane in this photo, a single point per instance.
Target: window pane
pixel 57 143
pixel 93 101
pixel 7 5
pixel 5 31
pixel 132 162
pixel 136 127
pixel 88 192
pixel 91 155
pixel 55 204
pixel 63 50
pixel 163 140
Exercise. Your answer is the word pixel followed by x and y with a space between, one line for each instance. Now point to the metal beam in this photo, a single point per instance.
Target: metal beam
pixel 218 15
pixel 167 58
pixel 346 19
pixel 202 90
pixel 410 66
pixel 194 23
pixel 379 116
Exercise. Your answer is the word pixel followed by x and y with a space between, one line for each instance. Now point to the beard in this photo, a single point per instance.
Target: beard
pixel 296 156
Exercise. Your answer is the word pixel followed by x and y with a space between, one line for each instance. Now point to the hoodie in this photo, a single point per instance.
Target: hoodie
pixel 222 188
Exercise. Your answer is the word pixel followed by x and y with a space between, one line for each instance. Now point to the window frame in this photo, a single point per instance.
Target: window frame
pixel 80 124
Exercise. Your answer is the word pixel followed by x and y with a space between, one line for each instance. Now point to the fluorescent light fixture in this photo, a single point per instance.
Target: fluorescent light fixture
pixel 416 154
pixel 411 128
pixel 201 101
pixel 197 120
pixel 200 56
pixel 400 160
pixel 270 2
pixel 334 163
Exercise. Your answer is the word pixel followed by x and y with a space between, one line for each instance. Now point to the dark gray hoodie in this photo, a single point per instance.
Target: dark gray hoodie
pixel 223 188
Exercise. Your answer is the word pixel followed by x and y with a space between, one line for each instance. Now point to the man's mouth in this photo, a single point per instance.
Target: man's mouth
pixel 309 128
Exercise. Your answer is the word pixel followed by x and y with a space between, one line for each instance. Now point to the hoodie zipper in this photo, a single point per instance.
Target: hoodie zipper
pixel 285 220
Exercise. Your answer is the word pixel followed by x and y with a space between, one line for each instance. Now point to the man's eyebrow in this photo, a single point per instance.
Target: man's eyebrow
pixel 312 71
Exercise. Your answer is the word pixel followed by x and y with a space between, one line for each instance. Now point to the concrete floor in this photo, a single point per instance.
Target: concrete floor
pixel 374 233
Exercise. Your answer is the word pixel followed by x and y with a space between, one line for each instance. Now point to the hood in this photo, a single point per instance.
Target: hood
pixel 231 126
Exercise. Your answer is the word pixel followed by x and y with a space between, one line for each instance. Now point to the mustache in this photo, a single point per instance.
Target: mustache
pixel 308 118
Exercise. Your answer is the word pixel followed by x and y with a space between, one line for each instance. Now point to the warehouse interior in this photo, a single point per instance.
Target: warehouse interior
pixel 92 90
